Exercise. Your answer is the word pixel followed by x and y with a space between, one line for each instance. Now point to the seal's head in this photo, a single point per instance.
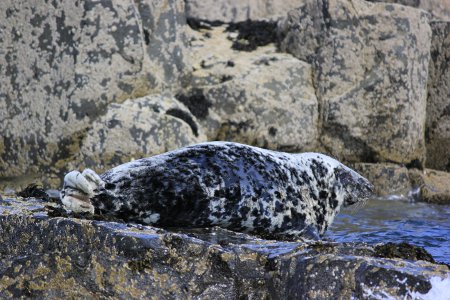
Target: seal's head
pixel 332 185
pixel 79 189
pixel 333 175
pixel 356 187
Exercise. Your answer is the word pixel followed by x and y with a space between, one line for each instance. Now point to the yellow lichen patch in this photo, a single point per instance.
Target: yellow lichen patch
pixel 99 272
pixel 227 257
pixel 6 282
pixel 118 277
pixel 141 88
pixel 2 148
pixel 249 256
pixel 17 268
pixel 41 270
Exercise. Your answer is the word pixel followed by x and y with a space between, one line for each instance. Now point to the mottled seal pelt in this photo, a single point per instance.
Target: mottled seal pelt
pixel 234 186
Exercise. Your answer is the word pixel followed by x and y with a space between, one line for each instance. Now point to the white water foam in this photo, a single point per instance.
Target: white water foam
pixel 440 290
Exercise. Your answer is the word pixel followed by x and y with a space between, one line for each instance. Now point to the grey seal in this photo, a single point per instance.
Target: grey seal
pixel 230 185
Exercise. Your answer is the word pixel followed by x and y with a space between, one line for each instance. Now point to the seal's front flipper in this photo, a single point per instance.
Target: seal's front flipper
pixel 79 188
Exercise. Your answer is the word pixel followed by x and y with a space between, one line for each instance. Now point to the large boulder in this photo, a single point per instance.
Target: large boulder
pixel 137 128
pixel 233 11
pixel 370 67
pixel 62 63
pixel 262 98
pixel 438 106
pixel 272 106
pixel 55 257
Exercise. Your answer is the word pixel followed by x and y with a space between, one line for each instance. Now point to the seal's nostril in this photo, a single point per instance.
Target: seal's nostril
pixel 110 186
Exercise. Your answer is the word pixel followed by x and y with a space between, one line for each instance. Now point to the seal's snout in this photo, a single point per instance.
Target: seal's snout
pixel 366 187
pixel 79 188
pixel 357 187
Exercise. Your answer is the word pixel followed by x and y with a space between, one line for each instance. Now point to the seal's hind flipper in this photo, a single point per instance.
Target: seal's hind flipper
pixel 79 188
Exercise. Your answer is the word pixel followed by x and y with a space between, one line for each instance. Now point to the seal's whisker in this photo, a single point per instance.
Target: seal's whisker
pixel 359 205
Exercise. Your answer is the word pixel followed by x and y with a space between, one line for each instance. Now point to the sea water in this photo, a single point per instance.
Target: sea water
pixel 397 220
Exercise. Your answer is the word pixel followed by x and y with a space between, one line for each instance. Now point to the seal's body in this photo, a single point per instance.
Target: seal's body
pixel 230 185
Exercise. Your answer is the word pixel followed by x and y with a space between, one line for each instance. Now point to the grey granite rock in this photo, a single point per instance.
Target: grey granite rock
pixel 272 106
pixel 388 179
pixel 439 9
pixel 137 128
pixel 262 98
pixel 438 105
pixel 370 68
pixel 434 185
pixel 60 257
pixel 233 11
pixel 62 63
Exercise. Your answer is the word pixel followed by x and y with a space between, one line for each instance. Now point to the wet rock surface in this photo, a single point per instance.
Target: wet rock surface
pixel 60 257
pixel 434 185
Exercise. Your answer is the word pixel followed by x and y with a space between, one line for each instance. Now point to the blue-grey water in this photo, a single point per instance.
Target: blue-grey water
pixel 382 220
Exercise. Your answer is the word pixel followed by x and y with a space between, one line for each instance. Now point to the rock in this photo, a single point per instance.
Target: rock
pixel 262 98
pixel 233 11
pixel 434 185
pixel 64 62
pixel 388 179
pixel 438 106
pixel 402 250
pixel 370 68
pixel 63 257
pixel 138 128
pixel 439 9
pixel 272 106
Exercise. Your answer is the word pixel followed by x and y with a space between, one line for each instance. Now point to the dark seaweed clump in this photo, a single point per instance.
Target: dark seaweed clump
pixel 34 191
pixel 404 251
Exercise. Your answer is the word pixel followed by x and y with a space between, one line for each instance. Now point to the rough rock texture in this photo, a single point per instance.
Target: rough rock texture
pixel 434 185
pixel 370 66
pixel 388 179
pixel 138 128
pixel 56 258
pixel 261 98
pixel 62 63
pixel 439 9
pixel 233 11
pixel 255 108
pixel 438 106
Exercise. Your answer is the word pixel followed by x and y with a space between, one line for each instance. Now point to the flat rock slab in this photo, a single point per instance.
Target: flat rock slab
pixel 57 257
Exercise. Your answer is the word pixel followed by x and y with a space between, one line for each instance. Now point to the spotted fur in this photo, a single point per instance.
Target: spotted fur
pixel 235 186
